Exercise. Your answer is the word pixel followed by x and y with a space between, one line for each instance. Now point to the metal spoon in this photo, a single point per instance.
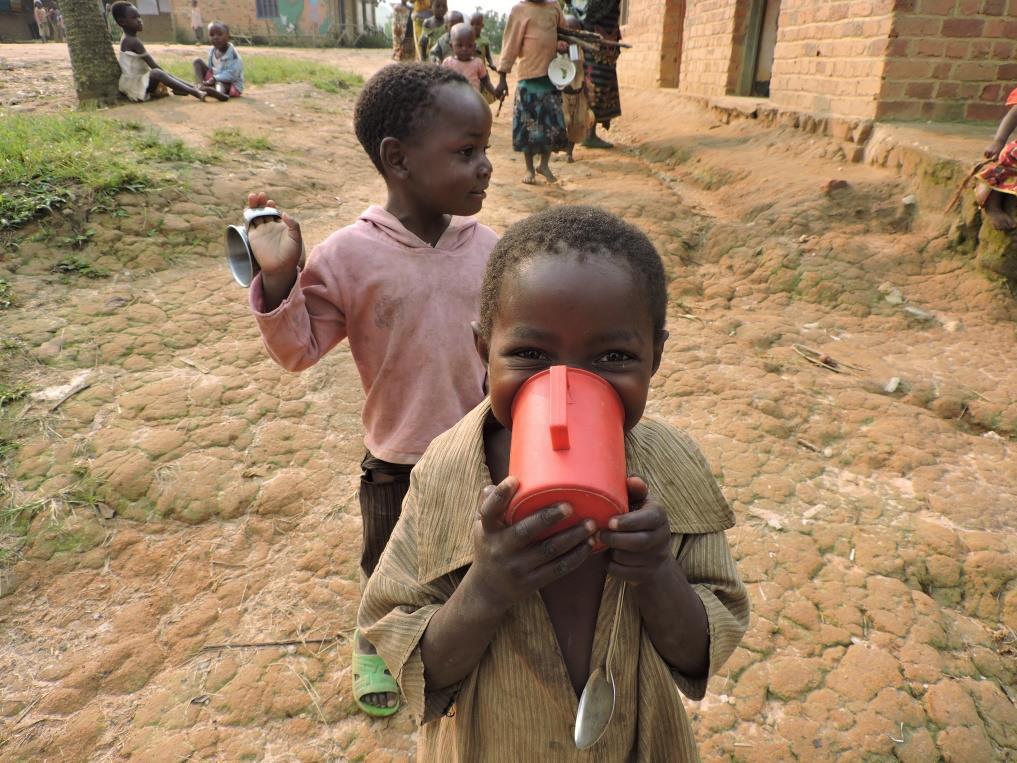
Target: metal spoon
pixel 596 704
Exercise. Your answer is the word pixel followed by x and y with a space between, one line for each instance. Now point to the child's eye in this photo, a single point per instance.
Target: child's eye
pixel 615 356
pixel 467 152
pixel 529 354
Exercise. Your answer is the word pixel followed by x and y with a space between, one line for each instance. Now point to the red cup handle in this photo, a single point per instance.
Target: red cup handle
pixel 559 423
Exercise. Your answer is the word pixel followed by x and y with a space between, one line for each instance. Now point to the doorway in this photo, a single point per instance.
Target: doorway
pixel 760 44
pixel 671 43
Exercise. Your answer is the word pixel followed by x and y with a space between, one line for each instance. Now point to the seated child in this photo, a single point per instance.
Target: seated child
pixel 402 283
pixel 1001 176
pixel 538 123
pixel 464 60
pixel 481 618
pixel 575 101
pixel 440 45
pixel 223 76
pixel 140 76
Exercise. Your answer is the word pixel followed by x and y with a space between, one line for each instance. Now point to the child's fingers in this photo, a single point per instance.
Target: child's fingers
pixel 561 566
pixel 647 517
pixel 290 222
pixel 640 540
pixel 560 543
pixel 496 502
pixel 637 490
pixel 525 531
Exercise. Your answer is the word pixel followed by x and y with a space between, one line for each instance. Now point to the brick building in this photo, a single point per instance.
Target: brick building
pixel 299 21
pixel 856 59
pixel 16 20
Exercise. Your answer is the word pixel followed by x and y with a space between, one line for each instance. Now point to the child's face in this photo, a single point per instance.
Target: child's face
pixel 439 8
pixel 218 36
pixel 132 23
pixel 560 310
pixel 478 27
pixel 445 167
pixel 464 47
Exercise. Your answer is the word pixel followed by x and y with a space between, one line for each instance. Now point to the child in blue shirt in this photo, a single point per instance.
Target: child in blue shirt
pixel 222 76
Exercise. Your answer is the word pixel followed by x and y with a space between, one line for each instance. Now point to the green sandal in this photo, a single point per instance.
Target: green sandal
pixel 372 676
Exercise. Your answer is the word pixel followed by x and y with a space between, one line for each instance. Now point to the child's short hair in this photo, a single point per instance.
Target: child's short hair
pixel 396 101
pixel 223 24
pixel 564 230
pixel 119 10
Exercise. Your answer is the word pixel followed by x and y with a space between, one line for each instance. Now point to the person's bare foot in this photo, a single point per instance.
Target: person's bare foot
pixel 212 91
pixel 568 158
pixel 595 141
pixel 548 175
pixel 529 179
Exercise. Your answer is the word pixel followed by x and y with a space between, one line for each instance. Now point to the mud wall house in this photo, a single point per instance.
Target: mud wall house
pixel 15 20
pixel 938 60
pixel 158 18
pixel 299 21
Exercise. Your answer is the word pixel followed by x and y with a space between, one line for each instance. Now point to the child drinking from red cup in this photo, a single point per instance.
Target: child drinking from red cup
pixel 402 283
pixel 491 632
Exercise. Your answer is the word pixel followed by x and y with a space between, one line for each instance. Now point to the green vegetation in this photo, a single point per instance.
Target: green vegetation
pixel 11 392
pixel 78 266
pixel 264 70
pixel 6 295
pixel 46 160
pixel 234 140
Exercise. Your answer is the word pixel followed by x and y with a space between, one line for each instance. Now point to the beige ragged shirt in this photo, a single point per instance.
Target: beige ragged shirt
pixel 518 704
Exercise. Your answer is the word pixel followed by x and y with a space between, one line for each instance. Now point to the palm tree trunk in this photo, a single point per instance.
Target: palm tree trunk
pixel 96 71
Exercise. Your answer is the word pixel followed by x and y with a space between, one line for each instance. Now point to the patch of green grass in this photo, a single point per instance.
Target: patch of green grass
pixel 11 392
pixel 46 160
pixel 6 295
pixel 79 266
pixel 264 70
pixel 77 240
pixel 234 140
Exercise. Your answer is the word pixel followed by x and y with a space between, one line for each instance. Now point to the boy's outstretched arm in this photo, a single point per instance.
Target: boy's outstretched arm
pixel 509 564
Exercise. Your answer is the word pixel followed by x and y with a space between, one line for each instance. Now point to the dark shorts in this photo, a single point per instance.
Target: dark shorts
pixel 383 485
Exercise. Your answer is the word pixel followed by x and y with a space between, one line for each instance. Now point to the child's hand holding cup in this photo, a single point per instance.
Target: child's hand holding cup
pixel 269 241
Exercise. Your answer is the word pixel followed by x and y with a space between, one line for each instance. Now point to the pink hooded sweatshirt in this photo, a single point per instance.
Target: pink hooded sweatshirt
pixel 406 308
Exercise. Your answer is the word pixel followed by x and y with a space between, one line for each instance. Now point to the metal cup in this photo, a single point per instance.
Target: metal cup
pixel 239 257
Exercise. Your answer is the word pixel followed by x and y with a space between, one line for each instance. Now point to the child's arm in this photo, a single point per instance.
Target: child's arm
pixel 1006 128
pixel 299 321
pixel 511 46
pixel 509 564
pixel 695 610
pixel 485 85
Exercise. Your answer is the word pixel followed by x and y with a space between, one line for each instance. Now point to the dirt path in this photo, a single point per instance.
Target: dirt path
pixel 876 506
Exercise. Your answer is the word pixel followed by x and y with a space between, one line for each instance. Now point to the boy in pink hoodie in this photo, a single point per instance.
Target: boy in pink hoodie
pixel 402 283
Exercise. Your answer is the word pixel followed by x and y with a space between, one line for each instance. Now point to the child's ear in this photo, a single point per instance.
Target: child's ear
pixel 393 158
pixel 658 347
pixel 483 349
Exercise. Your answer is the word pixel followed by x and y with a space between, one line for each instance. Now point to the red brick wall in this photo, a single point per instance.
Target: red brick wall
pixel 830 56
pixel 950 59
pixel 654 30
pixel 707 49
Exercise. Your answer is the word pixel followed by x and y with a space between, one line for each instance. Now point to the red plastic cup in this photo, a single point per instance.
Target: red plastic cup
pixel 568 445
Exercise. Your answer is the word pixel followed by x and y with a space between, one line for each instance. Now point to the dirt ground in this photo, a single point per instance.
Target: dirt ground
pixel 197 496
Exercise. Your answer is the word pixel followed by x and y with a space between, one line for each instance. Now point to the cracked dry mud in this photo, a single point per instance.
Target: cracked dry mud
pixel 875 529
